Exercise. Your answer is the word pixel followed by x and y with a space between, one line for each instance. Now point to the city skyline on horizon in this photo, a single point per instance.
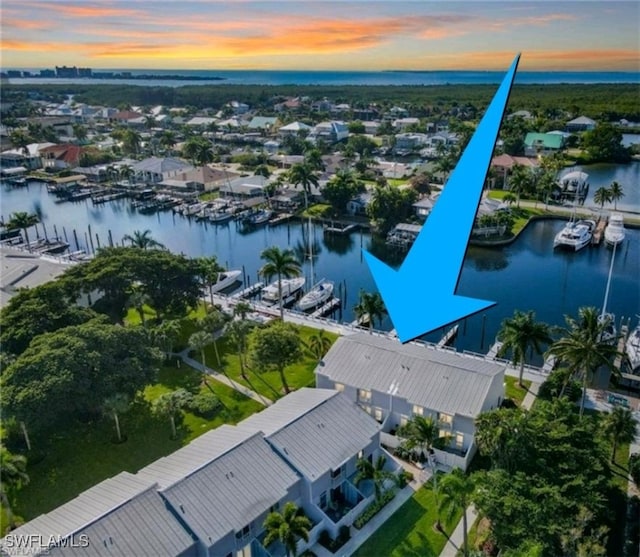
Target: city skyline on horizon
pixel 321 36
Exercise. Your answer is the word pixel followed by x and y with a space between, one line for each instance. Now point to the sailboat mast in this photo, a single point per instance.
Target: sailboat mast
pixel 606 293
pixel 311 252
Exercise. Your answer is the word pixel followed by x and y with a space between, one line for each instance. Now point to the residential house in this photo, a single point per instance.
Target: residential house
pixel 358 205
pixel 330 132
pixel 542 144
pixel 62 127
pixel 250 189
pixel 29 157
pixel 423 207
pixel 266 123
pixel 201 121
pixel 294 129
pixel 128 118
pixel 238 107
pixel 503 165
pixel 371 127
pixel 524 114
pixel 403 123
pixel 393 382
pixel 155 169
pixel 408 142
pixel 581 124
pixel 211 497
pixel 289 104
pixel 58 157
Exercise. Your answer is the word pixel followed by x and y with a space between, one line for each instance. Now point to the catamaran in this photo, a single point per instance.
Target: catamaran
pixel 575 235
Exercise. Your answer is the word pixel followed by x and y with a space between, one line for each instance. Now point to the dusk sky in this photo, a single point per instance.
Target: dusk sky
pixel 311 35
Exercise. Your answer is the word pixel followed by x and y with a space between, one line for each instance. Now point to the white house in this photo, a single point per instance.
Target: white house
pixel 156 169
pixel 331 132
pixel 393 381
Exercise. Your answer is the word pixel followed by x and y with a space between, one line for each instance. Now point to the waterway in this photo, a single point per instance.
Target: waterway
pixel 526 275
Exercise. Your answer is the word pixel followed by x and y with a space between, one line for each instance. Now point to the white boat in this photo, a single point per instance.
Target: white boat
pixel 226 279
pixel 261 217
pixel 218 217
pixel 319 294
pixel 632 348
pixel 614 232
pixel 270 293
pixel 575 235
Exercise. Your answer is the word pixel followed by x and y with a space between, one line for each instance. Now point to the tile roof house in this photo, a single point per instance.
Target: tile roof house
pixel 64 155
pixel 211 497
pixel 393 382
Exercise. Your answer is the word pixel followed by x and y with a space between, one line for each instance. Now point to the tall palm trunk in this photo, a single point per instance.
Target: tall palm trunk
pixel 520 384
pixel 465 547
pixel 584 391
pixel 280 297
pixel 25 434
pixel 26 237
pixel 7 508
pixel 284 380
pixel 115 418
pixel 174 432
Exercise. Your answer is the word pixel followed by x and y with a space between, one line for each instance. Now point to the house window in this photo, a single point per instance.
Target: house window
pixel 459 440
pixel 445 418
pixel 377 414
pixel 367 409
pixel 244 532
pixel 364 395
pixel 274 508
pixel 339 387
pixel 336 473
pixel 417 410
pixel 360 454
pixel 403 420
pixel 323 500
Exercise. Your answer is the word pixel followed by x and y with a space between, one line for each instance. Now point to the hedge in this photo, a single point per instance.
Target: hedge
pixel 374 508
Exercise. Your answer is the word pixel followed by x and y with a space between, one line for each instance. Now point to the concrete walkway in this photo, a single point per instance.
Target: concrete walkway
pixel 221 378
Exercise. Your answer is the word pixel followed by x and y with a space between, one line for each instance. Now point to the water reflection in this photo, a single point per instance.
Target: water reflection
pixel 337 244
pixel 484 259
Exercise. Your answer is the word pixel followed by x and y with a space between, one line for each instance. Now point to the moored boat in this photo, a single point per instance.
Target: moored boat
pixel 614 233
pixel 575 235
pixel 226 279
pixel 632 348
pixel 290 287
pixel 319 294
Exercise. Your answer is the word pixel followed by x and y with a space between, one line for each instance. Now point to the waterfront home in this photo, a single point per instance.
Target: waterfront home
pixel 542 144
pixel 393 382
pixel 249 189
pixel 403 235
pixel 409 142
pixel 330 132
pixel 29 157
pixel 403 123
pixel 266 123
pixel 423 207
pixel 503 165
pixel 201 122
pixel 62 156
pixel 358 205
pixel 580 124
pixel 154 170
pixel 211 497
pixel 294 129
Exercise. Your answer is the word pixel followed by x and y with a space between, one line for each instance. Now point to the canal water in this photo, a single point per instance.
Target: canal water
pixel 526 275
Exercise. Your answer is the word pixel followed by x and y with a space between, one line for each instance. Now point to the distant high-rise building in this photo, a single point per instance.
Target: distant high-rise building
pixel 14 73
pixel 66 71
pixel 84 72
pixel 47 73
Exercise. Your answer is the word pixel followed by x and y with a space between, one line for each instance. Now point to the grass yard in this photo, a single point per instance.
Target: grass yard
pixel 513 391
pixel 84 455
pixel 267 383
pixel 319 210
pixel 409 532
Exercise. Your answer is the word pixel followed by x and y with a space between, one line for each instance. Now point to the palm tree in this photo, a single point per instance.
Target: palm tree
pixel 213 322
pixel 126 172
pixel 582 347
pixel 519 181
pixel 615 193
pixel 238 330
pixel 192 147
pixel 456 493
pixel 601 196
pixel 204 153
pixel 318 345
pixel 199 341
pixel 313 158
pixel 621 427
pixel 13 475
pixel 169 405
pixel 520 334
pixel 210 271
pixel 131 141
pixel 370 306
pixel 287 528
pixel 302 174
pixel 142 240
pixel 115 405
pixel 23 221
pixel 242 309
pixel 167 141
pixel 282 264
pixel 374 472
pixel 167 334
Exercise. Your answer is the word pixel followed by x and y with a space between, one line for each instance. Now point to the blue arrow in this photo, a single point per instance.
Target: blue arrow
pixel 420 296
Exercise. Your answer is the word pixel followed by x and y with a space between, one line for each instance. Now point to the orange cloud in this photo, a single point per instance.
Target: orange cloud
pixel 26 24
pixel 85 10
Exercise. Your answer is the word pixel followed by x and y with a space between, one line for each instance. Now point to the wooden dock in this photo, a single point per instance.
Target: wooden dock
pixel 493 351
pixel 339 230
pixel 598 232
pixel 448 337
pixel 284 217
pixel 249 291
pixel 332 304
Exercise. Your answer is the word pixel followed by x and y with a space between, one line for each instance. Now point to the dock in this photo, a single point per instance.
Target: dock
pixel 448 337
pixel 340 230
pixel 493 351
pixel 549 364
pixel 624 333
pixel 249 291
pixel 284 217
pixel 361 321
pixel 599 232
pixel 332 304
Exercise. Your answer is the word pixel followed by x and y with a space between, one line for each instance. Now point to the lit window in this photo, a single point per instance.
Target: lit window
pixel 364 395
pixel 378 414
pixel 339 387
pixel 417 410
pixel 445 418
pixel 459 439
pixel 360 454
pixel 403 420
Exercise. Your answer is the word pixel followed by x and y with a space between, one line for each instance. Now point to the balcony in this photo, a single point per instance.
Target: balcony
pixel 342 500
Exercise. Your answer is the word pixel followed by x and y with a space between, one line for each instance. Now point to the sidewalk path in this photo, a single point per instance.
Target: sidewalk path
pixel 184 355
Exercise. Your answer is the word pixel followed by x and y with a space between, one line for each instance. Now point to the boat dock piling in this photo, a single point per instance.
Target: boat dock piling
pixel 448 337
pixel 598 232
pixel 249 291
pixel 332 304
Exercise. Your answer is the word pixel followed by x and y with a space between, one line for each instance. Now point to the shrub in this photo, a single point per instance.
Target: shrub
pixel 403 478
pixel 552 387
pixel 324 539
pixel 204 404
pixel 634 468
pixel 374 508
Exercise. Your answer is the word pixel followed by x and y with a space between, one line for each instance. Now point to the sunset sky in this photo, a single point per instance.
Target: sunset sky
pixel 312 35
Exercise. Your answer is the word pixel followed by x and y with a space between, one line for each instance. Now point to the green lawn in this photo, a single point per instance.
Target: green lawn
pixel 409 532
pixel 85 454
pixel 300 374
pixel 513 391
pixel 322 210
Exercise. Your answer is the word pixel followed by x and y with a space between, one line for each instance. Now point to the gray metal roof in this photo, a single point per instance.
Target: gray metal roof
pixel 201 451
pixel 439 380
pixel 325 437
pixel 286 410
pixel 83 510
pixel 233 490
pixel 142 527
